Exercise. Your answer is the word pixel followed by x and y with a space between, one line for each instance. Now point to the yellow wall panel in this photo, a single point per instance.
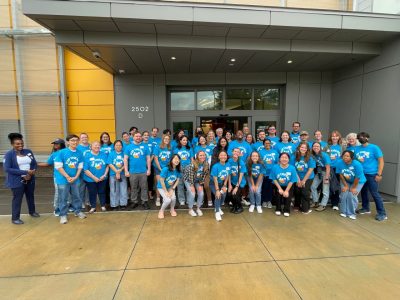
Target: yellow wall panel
pixel 99 113
pixel 74 62
pixel 95 136
pixel 91 126
pixel 73 98
pixel 4 16
pixel 89 80
pixel 7 81
pixel 96 98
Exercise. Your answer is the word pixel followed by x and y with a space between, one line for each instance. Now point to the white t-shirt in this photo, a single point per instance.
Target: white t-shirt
pixel 24 163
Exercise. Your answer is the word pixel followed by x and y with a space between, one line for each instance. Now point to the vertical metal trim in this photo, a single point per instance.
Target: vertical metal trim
pixel 63 94
pixel 18 71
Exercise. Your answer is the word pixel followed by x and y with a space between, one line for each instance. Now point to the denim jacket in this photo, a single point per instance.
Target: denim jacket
pixel 12 170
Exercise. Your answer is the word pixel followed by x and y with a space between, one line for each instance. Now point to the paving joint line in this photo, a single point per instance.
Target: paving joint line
pixel 274 260
pixel 130 256
pixel 58 274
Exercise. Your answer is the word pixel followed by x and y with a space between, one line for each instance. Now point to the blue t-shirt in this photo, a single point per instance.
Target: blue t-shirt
pixel 137 154
pixel 302 166
pixel 150 146
pixel 283 176
pixel 274 140
pixel 50 162
pixel 351 171
pixel 236 169
pixel 289 148
pixel 83 149
pixel 244 147
pixel 70 161
pixel 221 172
pixel 125 144
pixel 334 152
pixel 163 155
pixel 199 173
pixel 185 154
pixel 117 160
pixel 295 137
pixel 156 141
pixel 96 164
pixel 322 160
pixel 322 143
pixel 368 157
pixel 257 170
pixel 195 141
pixel 351 148
pixel 270 158
pixel 258 146
pixel 107 148
pixel 169 177
pixel 208 150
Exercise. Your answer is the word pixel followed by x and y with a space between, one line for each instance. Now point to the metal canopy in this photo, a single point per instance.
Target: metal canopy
pixel 142 37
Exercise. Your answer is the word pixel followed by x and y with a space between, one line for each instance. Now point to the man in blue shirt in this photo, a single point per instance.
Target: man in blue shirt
pixel 371 158
pixel 154 138
pixel 295 134
pixel 69 164
pixel 137 165
pixel 244 147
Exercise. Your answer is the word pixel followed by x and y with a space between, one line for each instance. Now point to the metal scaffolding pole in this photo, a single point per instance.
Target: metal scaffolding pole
pixel 63 95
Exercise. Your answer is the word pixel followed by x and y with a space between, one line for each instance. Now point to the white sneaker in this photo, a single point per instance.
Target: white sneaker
pixel 221 212
pixel 353 217
pixel 80 215
pixel 259 209
pixel 264 204
pixel 307 212
pixel 158 202
pixel 245 202
pixel 210 203
pixel 192 213
pixel 343 215
pixel 278 213
pixel 182 203
pixel 286 214
pixel 218 216
pixel 335 208
pixel 103 208
pixel 251 208
pixel 199 212
pixel 63 220
pixel 269 204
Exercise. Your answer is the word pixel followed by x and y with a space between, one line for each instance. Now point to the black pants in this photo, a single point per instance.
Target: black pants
pixel 18 193
pixel 236 199
pixel 150 180
pixel 335 195
pixel 302 196
pixel 280 200
pixel 266 190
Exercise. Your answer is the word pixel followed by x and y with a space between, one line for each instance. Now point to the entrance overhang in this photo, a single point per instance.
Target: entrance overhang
pixel 140 37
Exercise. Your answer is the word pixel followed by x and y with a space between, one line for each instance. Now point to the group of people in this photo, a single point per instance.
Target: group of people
pixel 227 168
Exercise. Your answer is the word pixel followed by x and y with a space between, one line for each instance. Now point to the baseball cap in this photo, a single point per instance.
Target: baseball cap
pixel 304 133
pixel 58 141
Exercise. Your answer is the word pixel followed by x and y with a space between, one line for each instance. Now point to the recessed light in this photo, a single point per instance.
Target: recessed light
pixel 121 71
pixel 289 61
pixel 233 59
pixel 173 57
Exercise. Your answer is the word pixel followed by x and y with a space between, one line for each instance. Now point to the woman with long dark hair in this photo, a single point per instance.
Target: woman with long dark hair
pixel 219 182
pixel 221 145
pixel 322 175
pixel 237 181
pixel 20 166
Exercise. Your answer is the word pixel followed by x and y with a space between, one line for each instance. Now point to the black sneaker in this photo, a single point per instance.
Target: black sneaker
pixel 146 206
pixel 134 205
pixel 122 207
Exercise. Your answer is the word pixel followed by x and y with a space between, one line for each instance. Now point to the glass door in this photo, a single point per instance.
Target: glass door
pixel 185 123
pixel 226 123
pixel 261 123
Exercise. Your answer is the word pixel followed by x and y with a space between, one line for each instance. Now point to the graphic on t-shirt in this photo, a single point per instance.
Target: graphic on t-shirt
pixel 171 179
pixel 223 174
pixel 283 178
pixel 362 155
pixel 136 153
pixel 72 162
pixel 301 166
pixel 349 173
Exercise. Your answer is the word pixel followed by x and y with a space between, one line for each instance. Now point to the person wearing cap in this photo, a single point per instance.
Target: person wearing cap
pixel 304 137
pixel 58 144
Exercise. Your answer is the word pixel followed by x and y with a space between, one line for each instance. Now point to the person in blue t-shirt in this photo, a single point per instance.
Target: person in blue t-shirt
pixel 118 181
pixel 304 164
pixel 295 134
pixel 161 157
pixel 177 136
pixel 255 175
pixel 334 150
pixel 283 175
pixel 169 179
pixel 270 157
pixel 96 170
pixel 352 142
pixel 240 143
pixel 318 139
pixel 237 180
pixel 202 146
pixel 106 145
pixel 84 147
pixel 186 155
pixel 58 144
pixel 259 145
pixel 352 180
pixel 154 138
pixel 371 158
pixel 137 167
pixel 322 174
pixel 126 141
pixel 272 136
pixel 197 133
pixel 150 178
pixel 69 164
pixel 219 182
pixel 285 144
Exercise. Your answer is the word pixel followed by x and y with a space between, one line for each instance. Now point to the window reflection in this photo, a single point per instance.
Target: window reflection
pixel 182 100
pixel 209 100
pixel 266 99
pixel 238 99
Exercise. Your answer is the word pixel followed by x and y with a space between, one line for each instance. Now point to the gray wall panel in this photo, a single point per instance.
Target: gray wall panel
pixel 324 109
pixel 309 101
pixel 390 56
pixel 291 107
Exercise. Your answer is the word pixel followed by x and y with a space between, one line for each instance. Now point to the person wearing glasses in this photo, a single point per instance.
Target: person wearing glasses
pixel 295 134
pixel 20 167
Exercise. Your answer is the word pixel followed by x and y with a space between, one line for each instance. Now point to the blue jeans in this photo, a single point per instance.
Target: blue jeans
pixel 55 203
pixel 118 191
pixel 84 191
pixel 97 188
pixel 217 202
pixel 63 197
pixel 181 191
pixel 190 196
pixel 255 197
pixel 372 186
pixel 349 202
pixel 325 189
